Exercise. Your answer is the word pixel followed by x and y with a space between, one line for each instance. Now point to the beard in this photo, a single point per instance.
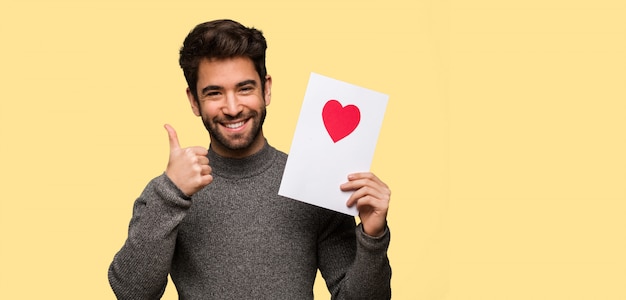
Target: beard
pixel 240 141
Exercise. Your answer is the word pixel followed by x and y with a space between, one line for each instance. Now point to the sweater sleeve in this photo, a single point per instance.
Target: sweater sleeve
pixel 140 269
pixel 355 265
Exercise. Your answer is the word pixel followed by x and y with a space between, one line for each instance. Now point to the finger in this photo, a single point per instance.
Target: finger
pixel 370 203
pixel 197 150
pixel 358 180
pixel 203 160
pixel 173 137
pixel 365 175
pixel 364 187
pixel 360 184
pixel 206 179
pixel 205 170
pixel 366 192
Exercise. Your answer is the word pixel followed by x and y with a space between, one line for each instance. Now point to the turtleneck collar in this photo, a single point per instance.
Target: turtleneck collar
pixel 237 168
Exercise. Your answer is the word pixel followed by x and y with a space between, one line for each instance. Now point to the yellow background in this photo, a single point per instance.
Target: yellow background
pixel 504 141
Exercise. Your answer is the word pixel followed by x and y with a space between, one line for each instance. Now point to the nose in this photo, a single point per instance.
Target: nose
pixel 231 105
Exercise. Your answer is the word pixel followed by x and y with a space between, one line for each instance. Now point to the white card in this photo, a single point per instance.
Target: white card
pixel 335 136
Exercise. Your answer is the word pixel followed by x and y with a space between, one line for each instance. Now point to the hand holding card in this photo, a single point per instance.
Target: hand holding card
pixel 335 136
pixel 371 197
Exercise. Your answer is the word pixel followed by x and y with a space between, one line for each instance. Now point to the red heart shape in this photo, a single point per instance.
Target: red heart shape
pixel 340 121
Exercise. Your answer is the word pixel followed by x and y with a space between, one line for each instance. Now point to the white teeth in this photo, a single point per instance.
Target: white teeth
pixel 234 125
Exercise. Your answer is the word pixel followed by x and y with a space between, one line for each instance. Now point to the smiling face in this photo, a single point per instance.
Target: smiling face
pixel 232 105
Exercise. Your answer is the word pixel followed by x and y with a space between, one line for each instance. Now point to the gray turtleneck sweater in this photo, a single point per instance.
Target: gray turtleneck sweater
pixel 238 239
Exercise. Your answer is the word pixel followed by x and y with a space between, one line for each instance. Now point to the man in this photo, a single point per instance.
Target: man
pixel 214 220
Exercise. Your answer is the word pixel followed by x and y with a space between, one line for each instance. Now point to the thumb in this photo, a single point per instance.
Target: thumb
pixel 171 133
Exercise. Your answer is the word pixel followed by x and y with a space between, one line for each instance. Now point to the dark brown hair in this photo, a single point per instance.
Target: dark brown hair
pixel 221 39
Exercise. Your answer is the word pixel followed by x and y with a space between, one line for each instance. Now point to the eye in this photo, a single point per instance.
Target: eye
pixel 246 89
pixel 212 94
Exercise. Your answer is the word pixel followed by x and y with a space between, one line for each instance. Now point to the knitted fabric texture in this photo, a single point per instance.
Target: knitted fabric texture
pixel 238 239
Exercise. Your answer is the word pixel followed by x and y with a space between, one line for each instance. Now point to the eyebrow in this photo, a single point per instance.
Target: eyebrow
pixel 246 82
pixel 238 85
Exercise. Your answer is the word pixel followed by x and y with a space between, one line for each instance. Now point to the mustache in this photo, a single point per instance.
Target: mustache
pixel 239 116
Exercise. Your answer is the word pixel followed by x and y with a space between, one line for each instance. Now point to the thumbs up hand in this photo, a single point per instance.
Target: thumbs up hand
pixel 189 167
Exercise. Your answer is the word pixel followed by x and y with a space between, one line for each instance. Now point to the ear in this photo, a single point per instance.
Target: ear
pixel 268 89
pixel 195 105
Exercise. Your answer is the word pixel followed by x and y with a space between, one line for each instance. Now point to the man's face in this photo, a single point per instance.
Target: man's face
pixel 232 105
